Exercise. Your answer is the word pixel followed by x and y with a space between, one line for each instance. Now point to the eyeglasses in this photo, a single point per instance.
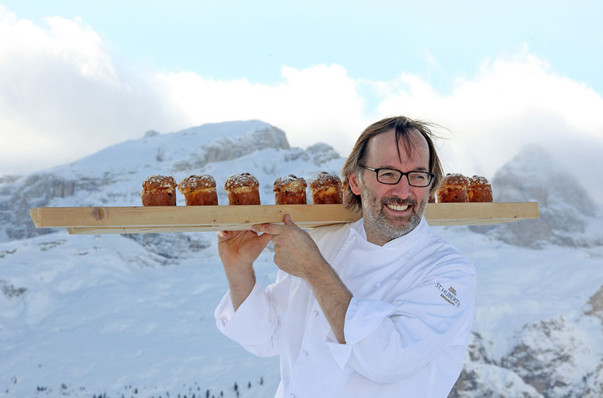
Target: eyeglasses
pixel 389 176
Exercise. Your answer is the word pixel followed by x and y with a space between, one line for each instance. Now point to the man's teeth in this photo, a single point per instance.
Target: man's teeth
pixel 398 207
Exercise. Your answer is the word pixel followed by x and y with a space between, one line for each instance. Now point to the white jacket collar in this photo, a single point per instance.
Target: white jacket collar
pixel 409 240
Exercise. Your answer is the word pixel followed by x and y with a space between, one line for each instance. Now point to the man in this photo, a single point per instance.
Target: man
pixel 378 308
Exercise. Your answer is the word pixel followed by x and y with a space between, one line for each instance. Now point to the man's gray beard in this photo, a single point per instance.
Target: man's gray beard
pixel 382 226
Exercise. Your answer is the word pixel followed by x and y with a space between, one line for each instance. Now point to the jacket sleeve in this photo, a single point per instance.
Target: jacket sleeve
pixel 388 341
pixel 256 323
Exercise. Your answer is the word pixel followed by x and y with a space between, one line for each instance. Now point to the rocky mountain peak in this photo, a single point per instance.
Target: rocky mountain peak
pixel 534 175
pixel 566 208
pixel 223 149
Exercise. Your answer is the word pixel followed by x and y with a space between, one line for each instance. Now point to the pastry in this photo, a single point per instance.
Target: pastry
pixel 242 189
pixel 453 189
pixel 479 190
pixel 159 191
pixel 199 190
pixel 290 190
pixel 326 188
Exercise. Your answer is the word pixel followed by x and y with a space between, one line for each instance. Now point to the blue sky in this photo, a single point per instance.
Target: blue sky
pixel 77 76
pixel 376 39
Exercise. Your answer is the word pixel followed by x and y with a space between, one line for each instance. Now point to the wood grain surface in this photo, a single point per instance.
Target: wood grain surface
pixel 120 220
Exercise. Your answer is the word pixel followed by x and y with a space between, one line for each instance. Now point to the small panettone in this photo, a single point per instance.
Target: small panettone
pixel 242 189
pixel 159 191
pixel 199 190
pixel 479 190
pixel 290 190
pixel 326 188
pixel 453 189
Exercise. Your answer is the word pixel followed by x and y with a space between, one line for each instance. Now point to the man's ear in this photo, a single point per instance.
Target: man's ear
pixel 353 179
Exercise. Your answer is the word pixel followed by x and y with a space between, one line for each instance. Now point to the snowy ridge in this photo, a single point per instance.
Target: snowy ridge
pixel 132 315
pixel 568 215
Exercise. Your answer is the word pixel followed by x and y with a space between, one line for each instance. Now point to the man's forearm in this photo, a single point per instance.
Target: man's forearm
pixel 240 282
pixel 238 250
pixel 296 253
pixel 332 296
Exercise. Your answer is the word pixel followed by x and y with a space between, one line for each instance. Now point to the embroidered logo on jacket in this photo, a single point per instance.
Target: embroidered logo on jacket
pixel 449 295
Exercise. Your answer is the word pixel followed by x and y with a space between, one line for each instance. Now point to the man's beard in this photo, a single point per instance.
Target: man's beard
pixel 386 226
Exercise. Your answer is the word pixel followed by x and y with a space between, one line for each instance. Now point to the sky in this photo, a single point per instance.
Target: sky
pixel 76 77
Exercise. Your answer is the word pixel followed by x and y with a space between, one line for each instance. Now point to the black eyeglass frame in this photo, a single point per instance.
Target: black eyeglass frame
pixel 402 174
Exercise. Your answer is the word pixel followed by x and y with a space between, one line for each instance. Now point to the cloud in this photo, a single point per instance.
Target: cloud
pixel 320 103
pixel 510 103
pixel 64 94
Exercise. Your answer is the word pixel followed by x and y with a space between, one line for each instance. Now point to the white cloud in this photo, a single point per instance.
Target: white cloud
pixel 62 97
pixel 510 103
pixel 320 103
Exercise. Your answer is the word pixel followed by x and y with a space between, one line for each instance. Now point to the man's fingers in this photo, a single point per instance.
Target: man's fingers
pixel 287 220
pixel 265 238
pixel 224 236
pixel 272 229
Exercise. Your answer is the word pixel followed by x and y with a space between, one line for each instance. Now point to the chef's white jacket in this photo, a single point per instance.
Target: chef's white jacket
pixel 406 328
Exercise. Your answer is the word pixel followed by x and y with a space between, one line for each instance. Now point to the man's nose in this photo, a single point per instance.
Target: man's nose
pixel 402 188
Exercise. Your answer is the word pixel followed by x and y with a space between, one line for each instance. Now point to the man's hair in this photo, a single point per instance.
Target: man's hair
pixel 403 126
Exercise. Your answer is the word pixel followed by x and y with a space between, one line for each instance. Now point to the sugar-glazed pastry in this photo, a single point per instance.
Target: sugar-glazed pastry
pixel 326 188
pixel 159 190
pixel 242 189
pixel 199 190
pixel 290 190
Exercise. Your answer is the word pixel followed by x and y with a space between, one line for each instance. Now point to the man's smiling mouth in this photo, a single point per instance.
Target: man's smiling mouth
pixel 396 207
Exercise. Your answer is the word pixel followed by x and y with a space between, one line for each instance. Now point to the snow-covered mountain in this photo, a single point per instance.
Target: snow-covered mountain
pixel 567 209
pixel 132 315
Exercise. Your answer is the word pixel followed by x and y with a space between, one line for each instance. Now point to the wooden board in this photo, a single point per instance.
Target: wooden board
pixel 442 214
pixel 122 220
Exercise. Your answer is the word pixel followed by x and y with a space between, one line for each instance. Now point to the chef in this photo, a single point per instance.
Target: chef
pixel 381 307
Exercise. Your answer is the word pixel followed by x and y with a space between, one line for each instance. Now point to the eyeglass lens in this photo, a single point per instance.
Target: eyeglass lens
pixel 415 178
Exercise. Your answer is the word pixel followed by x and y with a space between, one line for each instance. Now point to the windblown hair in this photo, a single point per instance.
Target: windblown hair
pixel 402 126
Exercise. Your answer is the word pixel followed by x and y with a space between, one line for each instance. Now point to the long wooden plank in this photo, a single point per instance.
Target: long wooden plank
pixel 212 216
pixel 98 220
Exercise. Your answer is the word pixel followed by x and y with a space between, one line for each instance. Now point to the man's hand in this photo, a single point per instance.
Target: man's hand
pixel 296 253
pixel 238 250
pixel 294 250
